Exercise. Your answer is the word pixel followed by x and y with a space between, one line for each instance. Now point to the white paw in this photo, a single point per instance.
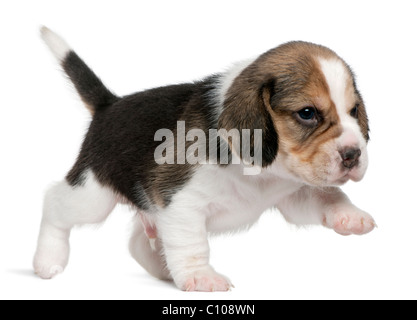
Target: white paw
pixel 47 272
pixel 349 220
pixel 49 262
pixel 206 280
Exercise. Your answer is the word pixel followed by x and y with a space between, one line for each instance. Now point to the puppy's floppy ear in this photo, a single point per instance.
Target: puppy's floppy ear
pixel 247 106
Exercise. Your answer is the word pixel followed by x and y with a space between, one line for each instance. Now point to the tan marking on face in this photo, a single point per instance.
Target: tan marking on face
pixel 311 153
pixel 296 139
pixel 282 82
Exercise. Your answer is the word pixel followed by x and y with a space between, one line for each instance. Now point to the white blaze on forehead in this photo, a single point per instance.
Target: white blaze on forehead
pixel 337 78
pixel 339 81
pixel 342 93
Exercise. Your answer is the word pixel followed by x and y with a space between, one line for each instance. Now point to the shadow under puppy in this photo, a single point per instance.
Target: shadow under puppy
pixel 305 127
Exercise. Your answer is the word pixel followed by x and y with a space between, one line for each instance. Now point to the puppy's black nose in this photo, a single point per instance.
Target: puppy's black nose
pixel 350 157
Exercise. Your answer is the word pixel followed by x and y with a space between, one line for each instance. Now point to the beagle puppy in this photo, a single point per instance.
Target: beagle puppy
pixel 283 131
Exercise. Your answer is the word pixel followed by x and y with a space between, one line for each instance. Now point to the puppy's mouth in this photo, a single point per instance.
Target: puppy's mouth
pixel 346 176
pixel 355 174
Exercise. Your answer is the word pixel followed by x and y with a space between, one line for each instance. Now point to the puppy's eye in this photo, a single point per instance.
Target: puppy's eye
pixel 354 111
pixel 307 116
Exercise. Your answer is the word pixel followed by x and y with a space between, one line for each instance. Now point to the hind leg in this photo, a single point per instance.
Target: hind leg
pixel 145 247
pixel 64 207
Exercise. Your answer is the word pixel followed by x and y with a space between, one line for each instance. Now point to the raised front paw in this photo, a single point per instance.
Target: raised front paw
pixel 349 220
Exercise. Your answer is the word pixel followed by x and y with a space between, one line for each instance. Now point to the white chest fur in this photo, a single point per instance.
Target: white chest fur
pixel 229 200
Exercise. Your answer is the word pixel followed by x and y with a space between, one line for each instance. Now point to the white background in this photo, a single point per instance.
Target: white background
pixel 134 45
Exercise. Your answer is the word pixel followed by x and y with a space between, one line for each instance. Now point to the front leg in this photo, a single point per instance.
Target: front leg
pixel 186 249
pixel 327 206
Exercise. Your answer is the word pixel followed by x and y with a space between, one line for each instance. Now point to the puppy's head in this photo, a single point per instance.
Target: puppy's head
pixel 304 98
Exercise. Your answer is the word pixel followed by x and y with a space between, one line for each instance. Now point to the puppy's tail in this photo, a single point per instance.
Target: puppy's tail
pixel 90 88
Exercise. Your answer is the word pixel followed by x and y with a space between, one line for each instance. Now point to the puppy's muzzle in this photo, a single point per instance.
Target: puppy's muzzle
pixel 350 157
